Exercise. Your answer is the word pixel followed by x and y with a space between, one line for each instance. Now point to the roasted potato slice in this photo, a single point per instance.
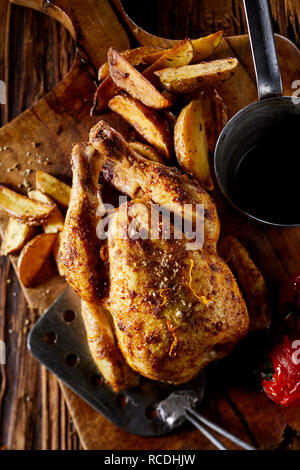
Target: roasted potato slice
pixel 129 79
pixel 203 48
pixel 23 209
pixel 192 77
pixel 146 151
pixel 146 122
pixel 250 280
pixel 133 56
pixel 55 223
pixel 215 116
pixel 179 55
pixel 53 187
pixel 104 349
pixel 33 257
pixel 206 46
pixel 214 113
pixel 15 236
pixel 191 145
pixel 104 93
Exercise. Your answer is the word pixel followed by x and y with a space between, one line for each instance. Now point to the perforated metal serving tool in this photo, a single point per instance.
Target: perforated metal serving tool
pixel 58 340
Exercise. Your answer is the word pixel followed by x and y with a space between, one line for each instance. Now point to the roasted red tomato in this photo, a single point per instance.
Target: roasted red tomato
pixel 289 301
pixel 281 376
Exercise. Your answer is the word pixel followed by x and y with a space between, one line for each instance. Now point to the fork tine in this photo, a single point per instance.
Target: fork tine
pixel 231 437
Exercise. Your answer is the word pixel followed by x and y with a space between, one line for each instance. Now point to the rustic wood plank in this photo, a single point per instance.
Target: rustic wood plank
pixel 32 61
pixel 201 17
pixel 32 410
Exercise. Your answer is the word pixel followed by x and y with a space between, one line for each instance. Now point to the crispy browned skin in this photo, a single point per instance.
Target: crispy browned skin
pixel 104 348
pixel 174 309
pixel 85 270
pixel 163 185
pixel 80 246
pixel 116 175
pixel 168 325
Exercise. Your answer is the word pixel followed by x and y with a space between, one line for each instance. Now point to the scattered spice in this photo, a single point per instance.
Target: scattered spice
pixel 201 297
pixel 164 296
pixel 172 330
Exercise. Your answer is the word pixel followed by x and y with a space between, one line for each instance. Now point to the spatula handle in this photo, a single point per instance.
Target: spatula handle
pixel 263 47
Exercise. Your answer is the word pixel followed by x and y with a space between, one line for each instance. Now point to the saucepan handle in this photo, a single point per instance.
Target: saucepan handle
pixel 204 424
pixel 263 47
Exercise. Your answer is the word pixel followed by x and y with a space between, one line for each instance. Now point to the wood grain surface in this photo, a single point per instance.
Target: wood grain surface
pixel 35 54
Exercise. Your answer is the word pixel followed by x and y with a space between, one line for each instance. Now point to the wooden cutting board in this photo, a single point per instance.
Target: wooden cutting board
pixel 42 138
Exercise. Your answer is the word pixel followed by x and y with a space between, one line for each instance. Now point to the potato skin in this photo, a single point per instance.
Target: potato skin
pixel 33 256
pixel 202 47
pixel 191 144
pixel 125 76
pixel 24 209
pixel 53 187
pixel 214 114
pixel 15 236
pixel 135 56
pixel 189 78
pixel 147 122
pixel 179 55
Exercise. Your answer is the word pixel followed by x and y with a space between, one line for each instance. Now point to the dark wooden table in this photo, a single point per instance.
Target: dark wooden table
pixel 35 54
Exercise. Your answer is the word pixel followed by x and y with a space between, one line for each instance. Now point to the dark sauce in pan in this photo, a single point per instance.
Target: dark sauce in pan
pixel 267 179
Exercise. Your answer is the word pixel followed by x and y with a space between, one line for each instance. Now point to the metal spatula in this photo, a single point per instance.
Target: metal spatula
pixel 58 341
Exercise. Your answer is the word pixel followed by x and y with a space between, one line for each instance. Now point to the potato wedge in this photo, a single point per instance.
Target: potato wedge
pixel 179 55
pixel 55 223
pixel 203 48
pixel 104 348
pixel 23 209
pixel 33 256
pixel 133 56
pixel 206 46
pixel 129 79
pixel 215 116
pixel 191 145
pixel 250 280
pixel 192 77
pixel 146 151
pixel 146 122
pixel 104 93
pixel 15 236
pixel 55 188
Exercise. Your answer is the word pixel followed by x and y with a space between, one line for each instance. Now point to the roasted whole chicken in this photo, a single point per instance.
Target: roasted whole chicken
pixel 150 305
